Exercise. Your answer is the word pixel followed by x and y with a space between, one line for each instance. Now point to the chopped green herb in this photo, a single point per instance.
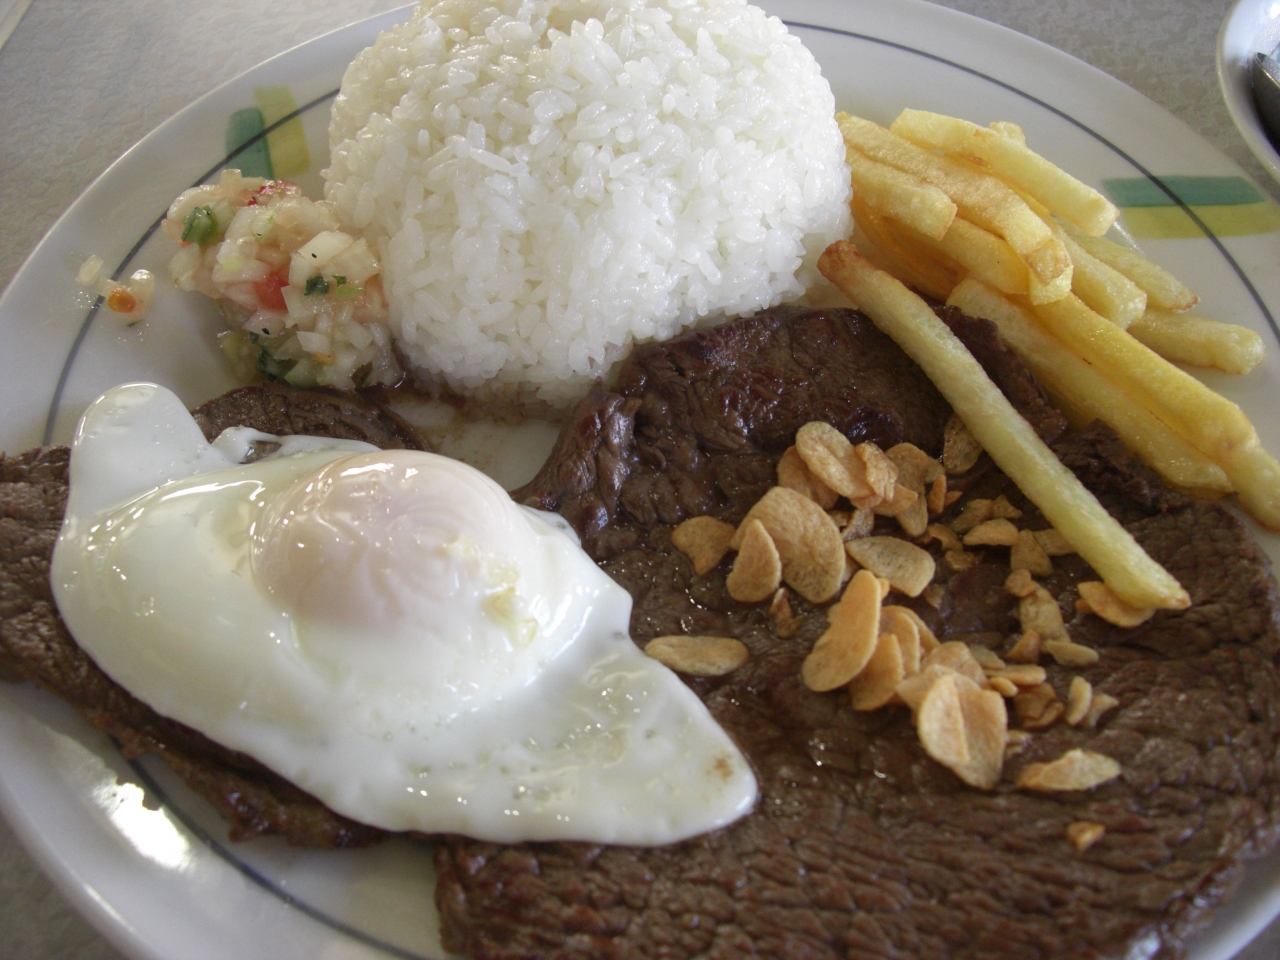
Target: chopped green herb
pixel 200 227
pixel 347 291
pixel 317 284
pixel 267 364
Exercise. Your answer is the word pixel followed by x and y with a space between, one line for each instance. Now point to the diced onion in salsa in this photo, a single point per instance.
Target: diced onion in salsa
pixel 303 299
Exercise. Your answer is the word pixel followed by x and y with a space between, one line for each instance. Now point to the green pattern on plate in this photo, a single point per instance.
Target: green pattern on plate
pixel 1228 206
pixel 255 159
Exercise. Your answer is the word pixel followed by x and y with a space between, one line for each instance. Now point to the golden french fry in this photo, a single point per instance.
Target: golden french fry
pixel 1012 162
pixel 1085 394
pixel 1008 438
pixel 1039 292
pixel 1007 128
pixel 1108 291
pixel 1255 474
pixel 975 251
pixel 986 256
pixel 1163 289
pixel 928 271
pixel 983 200
pixel 1211 423
pixel 881 257
pixel 1199 341
pixel 901 196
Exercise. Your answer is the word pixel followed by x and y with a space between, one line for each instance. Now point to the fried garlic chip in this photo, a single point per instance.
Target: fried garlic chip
pixel 794 474
pixel 704 540
pixel 698 656
pixel 853 627
pixel 965 729
pixel 757 570
pixel 1074 770
pixel 875 683
pixel 808 542
pixel 1100 599
pixel 907 567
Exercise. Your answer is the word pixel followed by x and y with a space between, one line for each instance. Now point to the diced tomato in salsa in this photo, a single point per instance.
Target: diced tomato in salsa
pixel 268 291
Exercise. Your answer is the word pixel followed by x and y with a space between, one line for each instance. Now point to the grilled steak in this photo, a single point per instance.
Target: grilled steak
pixel 861 846
pixel 35 645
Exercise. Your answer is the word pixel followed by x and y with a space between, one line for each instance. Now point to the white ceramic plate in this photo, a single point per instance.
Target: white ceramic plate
pixel 1251 26
pixel 148 863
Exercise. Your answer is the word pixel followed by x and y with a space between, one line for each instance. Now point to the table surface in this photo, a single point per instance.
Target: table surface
pixel 74 95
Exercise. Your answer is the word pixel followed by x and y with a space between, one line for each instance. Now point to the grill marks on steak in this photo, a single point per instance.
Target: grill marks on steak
pixel 861 846
pixel 696 425
pixel 35 645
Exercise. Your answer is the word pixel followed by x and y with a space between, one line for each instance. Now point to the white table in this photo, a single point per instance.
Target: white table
pixel 81 82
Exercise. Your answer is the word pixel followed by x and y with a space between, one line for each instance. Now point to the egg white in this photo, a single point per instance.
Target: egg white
pixel 387 630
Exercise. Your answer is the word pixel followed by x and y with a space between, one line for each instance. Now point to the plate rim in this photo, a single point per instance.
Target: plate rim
pixel 111 925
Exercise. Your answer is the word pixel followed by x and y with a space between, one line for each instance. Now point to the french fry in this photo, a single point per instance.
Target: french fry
pixel 1085 394
pixel 1198 341
pixel 983 200
pixel 1211 423
pixel 1164 290
pixel 1012 162
pixel 1005 435
pixel 1007 128
pixel 1256 476
pixel 1104 288
pixel 933 275
pixel 1215 425
pixel 980 253
pixel 901 196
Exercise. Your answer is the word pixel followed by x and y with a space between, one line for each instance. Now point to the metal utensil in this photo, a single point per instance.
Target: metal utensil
pixel 1266 94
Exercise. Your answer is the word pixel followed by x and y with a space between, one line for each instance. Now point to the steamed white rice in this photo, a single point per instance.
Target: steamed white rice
pixel 548 182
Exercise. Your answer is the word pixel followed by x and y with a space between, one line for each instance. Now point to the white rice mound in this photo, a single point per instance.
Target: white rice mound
pixel 549 181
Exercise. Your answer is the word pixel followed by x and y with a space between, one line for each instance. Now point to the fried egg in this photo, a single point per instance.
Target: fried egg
pixel 387 630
